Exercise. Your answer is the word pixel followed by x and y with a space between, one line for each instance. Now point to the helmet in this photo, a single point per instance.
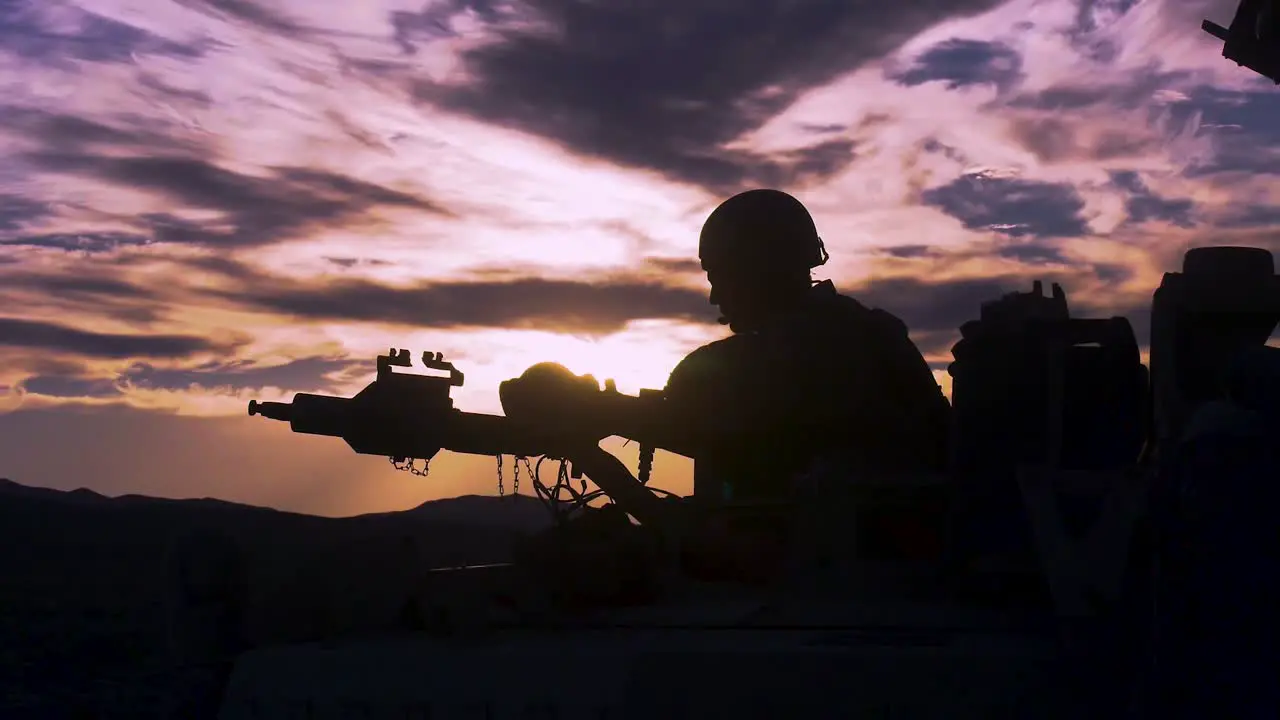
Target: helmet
pixel 760 229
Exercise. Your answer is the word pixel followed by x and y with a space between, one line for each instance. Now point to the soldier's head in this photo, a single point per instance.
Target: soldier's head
pixel 758 248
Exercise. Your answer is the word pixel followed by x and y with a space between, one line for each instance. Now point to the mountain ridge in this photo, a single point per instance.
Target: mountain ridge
pixel 480 509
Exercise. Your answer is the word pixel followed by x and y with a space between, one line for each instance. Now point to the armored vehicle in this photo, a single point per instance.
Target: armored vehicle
pixel 1093 550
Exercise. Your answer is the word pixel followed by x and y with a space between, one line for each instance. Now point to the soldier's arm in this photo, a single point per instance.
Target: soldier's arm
pixel 691 416
pixel 708 408
pixel 659 422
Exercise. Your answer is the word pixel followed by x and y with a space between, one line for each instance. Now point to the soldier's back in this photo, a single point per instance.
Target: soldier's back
pixel 864 357
pixel 833 377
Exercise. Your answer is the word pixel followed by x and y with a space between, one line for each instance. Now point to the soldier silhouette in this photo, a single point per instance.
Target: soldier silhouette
pixel 809 374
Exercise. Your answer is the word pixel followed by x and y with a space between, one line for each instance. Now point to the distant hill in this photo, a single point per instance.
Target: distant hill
pixel 83 578
pixel 514 511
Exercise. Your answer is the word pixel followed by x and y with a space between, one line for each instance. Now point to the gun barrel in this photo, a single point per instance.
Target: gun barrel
pixel 271 410
pixel 309 414
pixel 322 415
pixel 1215 30
pixel 369 427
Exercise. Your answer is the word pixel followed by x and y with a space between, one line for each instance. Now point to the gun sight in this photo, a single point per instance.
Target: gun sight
pixel 396 415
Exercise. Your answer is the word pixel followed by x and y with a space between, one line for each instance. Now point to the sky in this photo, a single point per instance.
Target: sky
pixel 207 201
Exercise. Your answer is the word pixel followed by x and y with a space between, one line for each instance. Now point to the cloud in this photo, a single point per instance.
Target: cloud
pixel 256 209
pixel 311 374
pixel 55 33
pixel 413 30
pixel 350 262
pixel 1034 254
pixel 531 303
pixel 908 251
pixel 65 380
pixel 61 131
pixel 615 81
pixel 32 335
pixel 59 386
pixel 1117 92
pixel 1093 16
pixel 961 63
pixel 96 293
pixel 16 212
pixel 675 266
pixel 1252 216
pixel 91 289
pixel 1143 205
pixel 928 307
pixel 89 242
pixel 1243 127
pixel 1054 140
pixel 1011 206
pixel 250 13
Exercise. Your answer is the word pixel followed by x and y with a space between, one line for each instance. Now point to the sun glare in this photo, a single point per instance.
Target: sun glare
pixel 640 356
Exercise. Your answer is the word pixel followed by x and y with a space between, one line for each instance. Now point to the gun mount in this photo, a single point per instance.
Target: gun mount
pixel 1253 39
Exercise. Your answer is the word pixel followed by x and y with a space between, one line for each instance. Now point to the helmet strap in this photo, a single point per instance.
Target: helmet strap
pixel 823 256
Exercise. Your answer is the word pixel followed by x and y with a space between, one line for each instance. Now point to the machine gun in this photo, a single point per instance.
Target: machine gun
pixel 409 417
pixel 1253 39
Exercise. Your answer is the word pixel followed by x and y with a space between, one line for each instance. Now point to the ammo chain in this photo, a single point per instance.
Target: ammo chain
pixel 410 465
pixel 515 481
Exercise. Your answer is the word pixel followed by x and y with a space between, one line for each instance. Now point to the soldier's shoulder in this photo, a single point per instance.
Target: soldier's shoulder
pixel 714 359
pixel 719 351
pixel 853 312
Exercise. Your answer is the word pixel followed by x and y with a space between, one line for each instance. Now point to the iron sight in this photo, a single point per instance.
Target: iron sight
pixel 402 415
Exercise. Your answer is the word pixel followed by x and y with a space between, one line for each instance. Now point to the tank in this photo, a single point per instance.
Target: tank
pixel 889 596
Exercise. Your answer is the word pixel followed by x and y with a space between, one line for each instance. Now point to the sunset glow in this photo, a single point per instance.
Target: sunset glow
pixel 204 202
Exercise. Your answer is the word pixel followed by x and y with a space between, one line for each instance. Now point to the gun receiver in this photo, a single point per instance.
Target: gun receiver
pixel 402 415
